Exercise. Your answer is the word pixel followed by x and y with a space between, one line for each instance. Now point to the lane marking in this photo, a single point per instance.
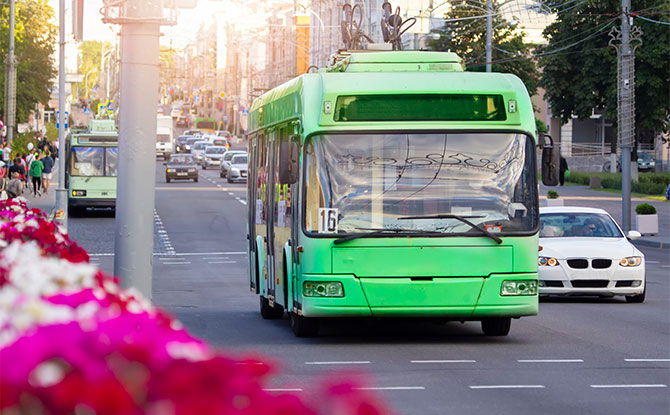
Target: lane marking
pixel 222 262
pixel 215 258
pixel 352 362
pixel 172 259
pixel 282 389
pixel 652 262
pixel 506 387
pixel 647 360
pixel 550 361
pixel 392 388
pixel 443 361
pixel 243 202
pixel 641 385
pixel 665 266
pixel 176 263
pixel 231 193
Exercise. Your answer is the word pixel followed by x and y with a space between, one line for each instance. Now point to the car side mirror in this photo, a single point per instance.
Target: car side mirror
pixel 551 160
pixel 289 154
pixel 633 235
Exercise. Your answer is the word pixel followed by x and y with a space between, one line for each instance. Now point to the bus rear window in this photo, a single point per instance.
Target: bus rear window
pixel 420 107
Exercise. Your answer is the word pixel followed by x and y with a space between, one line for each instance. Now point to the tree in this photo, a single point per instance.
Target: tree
pixel 35 40
pixel 467 38
pixel 90 55
pixel 580 68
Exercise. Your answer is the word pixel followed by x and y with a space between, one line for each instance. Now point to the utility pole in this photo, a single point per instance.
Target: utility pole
pixel 61 213
pixel 10 79
pixel 626 101
pixel 134 226
pixel 489 34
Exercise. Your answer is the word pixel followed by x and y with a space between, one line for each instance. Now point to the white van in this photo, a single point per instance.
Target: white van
pixel 164 136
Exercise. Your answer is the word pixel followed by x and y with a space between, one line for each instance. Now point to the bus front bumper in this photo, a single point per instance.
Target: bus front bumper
pixel 91 202
pixel 458 298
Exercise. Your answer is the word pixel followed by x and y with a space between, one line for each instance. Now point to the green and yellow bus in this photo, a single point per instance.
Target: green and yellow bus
pixel 206 125
pixel 92 164
pixel 394 184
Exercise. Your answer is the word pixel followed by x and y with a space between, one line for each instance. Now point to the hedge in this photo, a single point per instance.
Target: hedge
pixel 649 183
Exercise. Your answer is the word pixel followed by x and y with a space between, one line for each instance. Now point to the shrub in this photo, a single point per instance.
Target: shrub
pixel 552 194
pixel 579 178
pixel 645 209
pixel 648 188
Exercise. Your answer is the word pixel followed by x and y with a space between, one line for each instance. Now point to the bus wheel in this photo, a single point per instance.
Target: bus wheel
pixel 498 326
pixel 271 313
pixel 304 326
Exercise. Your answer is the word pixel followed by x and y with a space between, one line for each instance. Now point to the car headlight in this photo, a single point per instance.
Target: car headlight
pixel 191 170
pixel 323 289
pixel 235 171
pixel 630 261
pixel 170 170
pixel 519 287
pixel 547 261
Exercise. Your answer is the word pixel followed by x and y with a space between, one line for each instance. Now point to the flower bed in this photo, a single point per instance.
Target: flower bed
pixel 73 341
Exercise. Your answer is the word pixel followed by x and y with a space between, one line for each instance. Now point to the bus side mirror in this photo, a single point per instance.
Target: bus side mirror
pixel 551 159
pixel 288 161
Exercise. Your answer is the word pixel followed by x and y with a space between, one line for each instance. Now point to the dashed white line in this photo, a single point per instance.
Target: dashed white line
pixel 351 362
pixel 214 258
pixel 550 361
pixel 647 360
pixel 392 388
pixel 231 193
pixel 506 387
pixel 218 185
pixel 244 202
pixel 176 263
pixel 222 262
pixel 640 385
pixel 444 361
pixel 652 262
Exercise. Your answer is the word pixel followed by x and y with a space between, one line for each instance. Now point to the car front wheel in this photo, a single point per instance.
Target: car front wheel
pixel 639 298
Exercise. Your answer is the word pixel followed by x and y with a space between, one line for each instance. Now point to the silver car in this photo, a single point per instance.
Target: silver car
pixel 225 161
pixel 238 168
pixel 198 149
pixel 212 156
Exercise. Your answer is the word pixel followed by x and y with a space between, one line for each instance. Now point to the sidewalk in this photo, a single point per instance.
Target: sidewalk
pixel 583 196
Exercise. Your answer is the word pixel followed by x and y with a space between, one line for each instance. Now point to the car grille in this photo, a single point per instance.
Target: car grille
pixel 589 283
pixel 601 263
pixel 578 263
pixel 553 283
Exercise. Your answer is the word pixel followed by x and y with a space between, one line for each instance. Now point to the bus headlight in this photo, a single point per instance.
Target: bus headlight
pixel 546 261
pixel 79 193
pixel 630 261
pixel 519 287
pixel 322 289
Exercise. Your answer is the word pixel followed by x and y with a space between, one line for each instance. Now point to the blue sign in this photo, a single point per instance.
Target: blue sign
pixel 196 98
pixel 225 117
pixel 58 119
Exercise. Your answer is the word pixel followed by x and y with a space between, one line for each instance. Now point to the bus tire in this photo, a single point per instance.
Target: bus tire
pixel 497 326
pixel 271 313
pixel 304 326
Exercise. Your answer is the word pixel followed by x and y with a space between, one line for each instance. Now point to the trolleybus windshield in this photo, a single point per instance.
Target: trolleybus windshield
pixel 94 161
pixel 422 182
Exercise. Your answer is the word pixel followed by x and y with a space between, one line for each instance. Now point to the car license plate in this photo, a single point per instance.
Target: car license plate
pixel 244 174
pixel 182 174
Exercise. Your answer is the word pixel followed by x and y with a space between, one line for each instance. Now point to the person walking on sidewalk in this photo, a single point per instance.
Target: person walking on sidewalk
pixel 48 163
pixel 36 169
pixel 563 167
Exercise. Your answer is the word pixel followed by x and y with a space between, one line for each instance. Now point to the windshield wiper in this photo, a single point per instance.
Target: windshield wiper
pixel 459 218
pixel 383 231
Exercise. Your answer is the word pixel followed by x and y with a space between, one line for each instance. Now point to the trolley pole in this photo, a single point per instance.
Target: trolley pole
pixel 134 226
pixel 489 34
pixel 60 216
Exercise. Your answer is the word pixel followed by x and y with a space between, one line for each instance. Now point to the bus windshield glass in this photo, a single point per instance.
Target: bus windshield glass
pixel 87 161
pixel 111 161
pixel 419 182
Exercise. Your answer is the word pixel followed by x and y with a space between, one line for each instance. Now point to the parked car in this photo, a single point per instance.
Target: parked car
pixel 198 149
pixel 181 167
pixel 212 156
pixel 645 162
pixel 180 145
pixel 225 161
pixel 584 252
pixel 238 168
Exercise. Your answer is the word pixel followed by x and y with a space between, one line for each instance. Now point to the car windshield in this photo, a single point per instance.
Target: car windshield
pixel 239 159
pixel 200 145
pixel 183 139
pixel 215 150
pixel 192 140
pixel 554 225
pixel 420 181
pixel 229 155
pixel 181 160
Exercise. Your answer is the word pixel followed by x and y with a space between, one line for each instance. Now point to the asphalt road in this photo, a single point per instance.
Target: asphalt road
pixel 581 356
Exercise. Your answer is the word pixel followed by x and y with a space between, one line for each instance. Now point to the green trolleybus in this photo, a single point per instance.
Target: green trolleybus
pixel 394 184
pixel 92 163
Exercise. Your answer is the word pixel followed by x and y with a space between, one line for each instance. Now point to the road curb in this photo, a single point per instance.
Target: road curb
pixel 653 244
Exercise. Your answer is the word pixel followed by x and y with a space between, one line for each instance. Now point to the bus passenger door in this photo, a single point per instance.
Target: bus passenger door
pixel 251 211
pixel 270 216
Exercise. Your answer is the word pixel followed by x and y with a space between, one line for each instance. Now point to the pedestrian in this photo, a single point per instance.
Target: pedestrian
pixel 36 169
pixel 6 152
pixel 14 187
pixel 17 167
pixel 667 192
pixel 562 169
pixel 48 163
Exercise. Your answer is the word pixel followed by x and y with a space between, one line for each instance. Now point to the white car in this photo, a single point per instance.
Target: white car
pixel 237 171
pixel 175 112
pixel 225 161
pixel 212 156
pixel 198 149
pixel 584 252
